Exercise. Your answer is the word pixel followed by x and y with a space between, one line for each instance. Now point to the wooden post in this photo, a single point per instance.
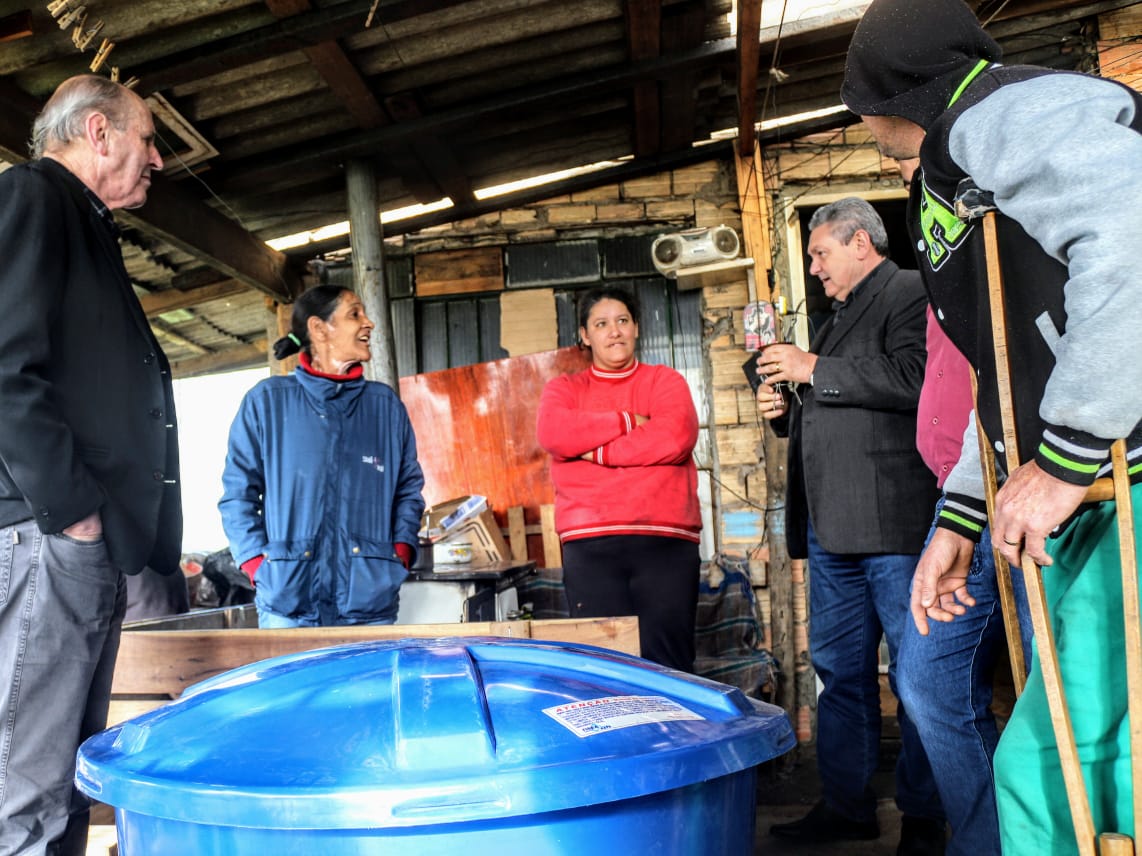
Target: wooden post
pixel 367 241
pixel 757 222
pixel 277 325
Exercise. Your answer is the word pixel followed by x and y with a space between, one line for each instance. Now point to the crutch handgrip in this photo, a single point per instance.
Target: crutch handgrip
pixel 1100 491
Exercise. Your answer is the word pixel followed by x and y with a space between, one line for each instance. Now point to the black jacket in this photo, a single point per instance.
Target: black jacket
pixel 86 406
pixel 853 465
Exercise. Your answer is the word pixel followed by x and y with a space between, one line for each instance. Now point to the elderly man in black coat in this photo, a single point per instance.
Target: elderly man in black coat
pixel 88 448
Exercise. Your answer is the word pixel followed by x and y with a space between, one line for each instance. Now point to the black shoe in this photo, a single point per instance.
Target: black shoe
pixel 824 824
pixel 921 836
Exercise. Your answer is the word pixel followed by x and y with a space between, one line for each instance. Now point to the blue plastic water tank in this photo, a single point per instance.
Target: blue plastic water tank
pixel 441 746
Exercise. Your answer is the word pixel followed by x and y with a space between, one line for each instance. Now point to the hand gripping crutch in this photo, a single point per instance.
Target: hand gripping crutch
pixel 1109 844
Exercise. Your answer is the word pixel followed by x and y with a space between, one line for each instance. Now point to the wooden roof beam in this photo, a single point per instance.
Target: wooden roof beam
pixel 749 54
pixel 305 28
pixel 436 156
pixel 684 28
pixel 242 357
pixel 167 301
pixel 644 28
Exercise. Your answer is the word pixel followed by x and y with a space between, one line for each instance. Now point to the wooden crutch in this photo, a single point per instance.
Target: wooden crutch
pixel 1109 844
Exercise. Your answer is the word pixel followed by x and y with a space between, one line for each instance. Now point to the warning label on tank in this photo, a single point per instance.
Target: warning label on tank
pixel 594 716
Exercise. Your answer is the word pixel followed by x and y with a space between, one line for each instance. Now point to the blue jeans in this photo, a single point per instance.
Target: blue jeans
pixel 945 681
pixel 854 599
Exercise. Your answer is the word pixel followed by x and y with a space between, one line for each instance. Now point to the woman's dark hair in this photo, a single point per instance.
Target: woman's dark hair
pixel 321 300
pixel 588 301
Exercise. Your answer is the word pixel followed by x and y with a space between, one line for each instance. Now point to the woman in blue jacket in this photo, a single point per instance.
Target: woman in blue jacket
pixel 322 489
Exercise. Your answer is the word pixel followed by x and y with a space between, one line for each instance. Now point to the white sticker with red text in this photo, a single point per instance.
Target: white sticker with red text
pixel 598 715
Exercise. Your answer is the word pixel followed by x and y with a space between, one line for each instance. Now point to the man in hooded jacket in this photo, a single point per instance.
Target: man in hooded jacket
pixel 1059 154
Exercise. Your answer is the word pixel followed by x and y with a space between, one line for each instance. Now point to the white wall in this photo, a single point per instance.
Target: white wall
pixel 205 408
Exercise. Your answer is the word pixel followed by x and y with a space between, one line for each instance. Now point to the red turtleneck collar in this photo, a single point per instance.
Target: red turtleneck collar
pixel 620 374
pixel 355 372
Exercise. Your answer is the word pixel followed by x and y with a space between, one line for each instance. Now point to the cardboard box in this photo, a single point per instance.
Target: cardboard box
pixel 441 519
pixel 483 535
pixel 466 520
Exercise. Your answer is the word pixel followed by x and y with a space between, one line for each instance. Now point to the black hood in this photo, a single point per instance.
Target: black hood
pixel 907 58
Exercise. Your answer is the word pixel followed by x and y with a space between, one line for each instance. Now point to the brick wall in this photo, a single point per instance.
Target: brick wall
pixel 704 194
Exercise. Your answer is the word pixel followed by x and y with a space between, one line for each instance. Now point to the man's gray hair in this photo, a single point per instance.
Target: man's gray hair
pixel 63 118
pixel 846 216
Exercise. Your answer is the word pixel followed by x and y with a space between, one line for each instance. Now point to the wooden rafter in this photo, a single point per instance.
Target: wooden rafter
pixel 172 299
pixel 644 25
pixel 749 53
pixel 684 28
pixel 436 156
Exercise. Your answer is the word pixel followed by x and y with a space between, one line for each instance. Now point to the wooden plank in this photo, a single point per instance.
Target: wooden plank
pixel 241 357
pixel 517 533
pixel 683 28
pixel 163 663
pixel 171 299
pixel 552 550
pixel 749 54
pixel 431 151
pixel 168 661
pixel 173 215
pixel 459 271
pixel 644 26
pixel 528 322
pixel 618 633
pixel 496 455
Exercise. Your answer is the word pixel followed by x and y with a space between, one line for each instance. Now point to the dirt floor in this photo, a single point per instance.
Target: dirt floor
pixel 788 788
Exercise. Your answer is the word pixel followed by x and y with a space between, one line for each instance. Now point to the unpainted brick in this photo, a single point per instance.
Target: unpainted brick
pixel 648 187
pixel 534 235
pixel 692 179
pixel 738 445
pixel 795 166
pixel 670 209
pixel 519 217
pixel 571 214
pixel 732 295
pixel 606 193
pixel 856 161
pixel 621 212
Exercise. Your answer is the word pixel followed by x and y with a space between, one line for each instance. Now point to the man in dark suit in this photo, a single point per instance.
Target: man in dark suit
pixel 88 448
pixel 859 505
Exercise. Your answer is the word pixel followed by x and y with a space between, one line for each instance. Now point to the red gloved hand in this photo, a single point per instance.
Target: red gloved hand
pixel 405 553
pixel 250 566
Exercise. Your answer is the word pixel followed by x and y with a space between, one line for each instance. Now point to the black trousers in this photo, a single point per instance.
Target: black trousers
pixel 648 576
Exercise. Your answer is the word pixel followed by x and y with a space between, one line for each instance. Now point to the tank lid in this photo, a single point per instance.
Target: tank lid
pixel 422 731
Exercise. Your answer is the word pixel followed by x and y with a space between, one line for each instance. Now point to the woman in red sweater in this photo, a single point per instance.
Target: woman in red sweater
pixel 620 436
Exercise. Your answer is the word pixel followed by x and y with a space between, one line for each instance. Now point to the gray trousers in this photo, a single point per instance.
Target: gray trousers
pixel 61 613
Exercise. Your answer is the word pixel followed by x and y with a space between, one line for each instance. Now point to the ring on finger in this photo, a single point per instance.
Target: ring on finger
pixel 1010 543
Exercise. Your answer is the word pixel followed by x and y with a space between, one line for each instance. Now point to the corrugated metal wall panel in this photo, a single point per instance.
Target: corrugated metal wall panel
pixel 463 333
pixel 556 263
pixel 567 317
pixel 627 256
pixel 433 336
pixel 404 335
pixel 655 328
pixel 398 276
pixel 489 312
